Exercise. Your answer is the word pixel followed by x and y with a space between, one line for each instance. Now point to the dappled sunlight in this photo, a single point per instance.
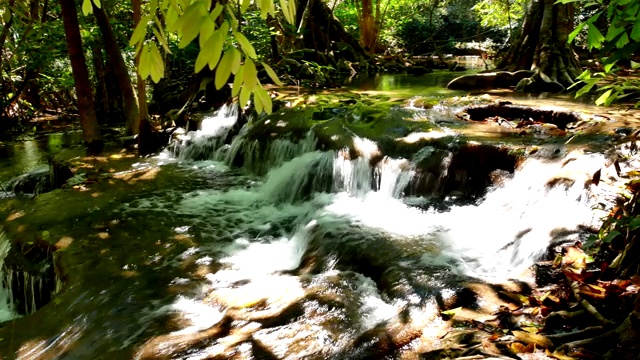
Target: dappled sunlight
pixel 15 215
pixel 64 242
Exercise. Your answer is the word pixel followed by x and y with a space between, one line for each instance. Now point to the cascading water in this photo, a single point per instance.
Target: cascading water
pixel 325 220
pixel 6 303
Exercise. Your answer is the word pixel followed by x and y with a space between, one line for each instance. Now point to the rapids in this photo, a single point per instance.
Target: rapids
pixel 300 253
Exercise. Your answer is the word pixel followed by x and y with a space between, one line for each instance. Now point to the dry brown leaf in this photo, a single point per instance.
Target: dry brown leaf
pixel 536 339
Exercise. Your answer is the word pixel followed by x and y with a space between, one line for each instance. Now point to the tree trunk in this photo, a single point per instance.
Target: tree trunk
pixel 5 32
pixel 87 112
pixel 542 47
pixel 102 95
pixel 141 84
pixel 319 23
pixel 132 112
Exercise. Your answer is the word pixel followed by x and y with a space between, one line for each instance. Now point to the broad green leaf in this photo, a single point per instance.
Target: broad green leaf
pixel 224 28
pixel 140 31
pixel 215 42
pixel 594 37
pixel 586 75
pixel 206 30
pixel 202 59
pixel 603 98
pixel 250 77
pixel 635 65
pixel 157 65
pixel 144 67
pixel 257 102
pixel 173 20
pixel 245 44
pixel 272 74
pixel 624 40
pixel 610 236
pixel 635 223
pixel 224 69
pixel 97 3
pixel 612 32
pixel 216 11
pixel 635 32
pixel 235 62
pixel 193 19
pixel 244 96
pixel 607 67
pixel 237 82
pixel 86 7
pixel 245 5
pixel 575 32
pixel 265 99
pixel 285 11
pixel 161 39
pixel 585 89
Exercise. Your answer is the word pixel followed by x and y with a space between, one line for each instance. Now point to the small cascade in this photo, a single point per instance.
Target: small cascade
pixel 27 292
pixel 205 143
pixel 28 279
pixel 259 156
pixel 6 304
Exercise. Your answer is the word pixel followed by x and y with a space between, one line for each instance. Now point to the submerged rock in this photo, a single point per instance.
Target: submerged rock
pixel 492 80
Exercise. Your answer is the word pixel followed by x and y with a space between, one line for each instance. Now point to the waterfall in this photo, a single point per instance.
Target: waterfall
pixel 204 143
pixel 6 302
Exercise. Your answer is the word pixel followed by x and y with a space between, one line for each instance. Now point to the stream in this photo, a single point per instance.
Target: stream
pixel 291 249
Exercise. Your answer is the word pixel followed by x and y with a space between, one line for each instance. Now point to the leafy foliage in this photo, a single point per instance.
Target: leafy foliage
pixel 621 42
pixel 216 26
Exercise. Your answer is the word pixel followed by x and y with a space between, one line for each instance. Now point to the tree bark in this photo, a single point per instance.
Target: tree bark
pixel 86 109
pixel 542 46
pixel 140 83
pixel 132 112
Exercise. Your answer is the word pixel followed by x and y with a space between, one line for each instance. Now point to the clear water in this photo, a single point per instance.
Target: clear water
pixel 332 242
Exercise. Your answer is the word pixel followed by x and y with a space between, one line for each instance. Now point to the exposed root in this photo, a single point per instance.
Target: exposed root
pixel 575 288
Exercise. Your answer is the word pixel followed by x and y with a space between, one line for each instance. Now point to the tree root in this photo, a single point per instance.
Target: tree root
pixel 575 288
pixel 564 338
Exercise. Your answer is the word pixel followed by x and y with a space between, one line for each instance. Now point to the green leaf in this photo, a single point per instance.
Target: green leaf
pixel 157 65
pixel 272 74
pixel 193 19
pixel 635 32
pixel 624 40
pixel 585 89
pixel 265 99
pixel 245 44
pixel 161 39
pixel 608 67
pixel 245 5
pixel 603 98
pixel 575 32
pixel 285 11
pixel 586 75
pixel 215 42
pixel 250 77
pixel 97 3
pixel 257 102
pixel 140 31
pixel 610 236
pixel 223 70
pixel 235 62
pixel 206 30
pixel 244 96
pixel 237 82
pixel 634 223
pixel 451 312
pixel 86 7
pixel 216 11
pixel 634 65
pixel 202 59
pixel 144 67
pixel 594 37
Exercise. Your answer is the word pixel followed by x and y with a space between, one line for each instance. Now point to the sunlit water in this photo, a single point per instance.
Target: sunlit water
pixel 335 244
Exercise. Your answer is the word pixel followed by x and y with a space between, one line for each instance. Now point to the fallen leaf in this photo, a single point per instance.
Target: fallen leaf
pixel 536 339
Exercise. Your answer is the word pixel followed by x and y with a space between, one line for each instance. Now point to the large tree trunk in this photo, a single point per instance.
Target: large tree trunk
pixel 131 109
pixel 543 48
pixel 86 109
pixel 321 29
